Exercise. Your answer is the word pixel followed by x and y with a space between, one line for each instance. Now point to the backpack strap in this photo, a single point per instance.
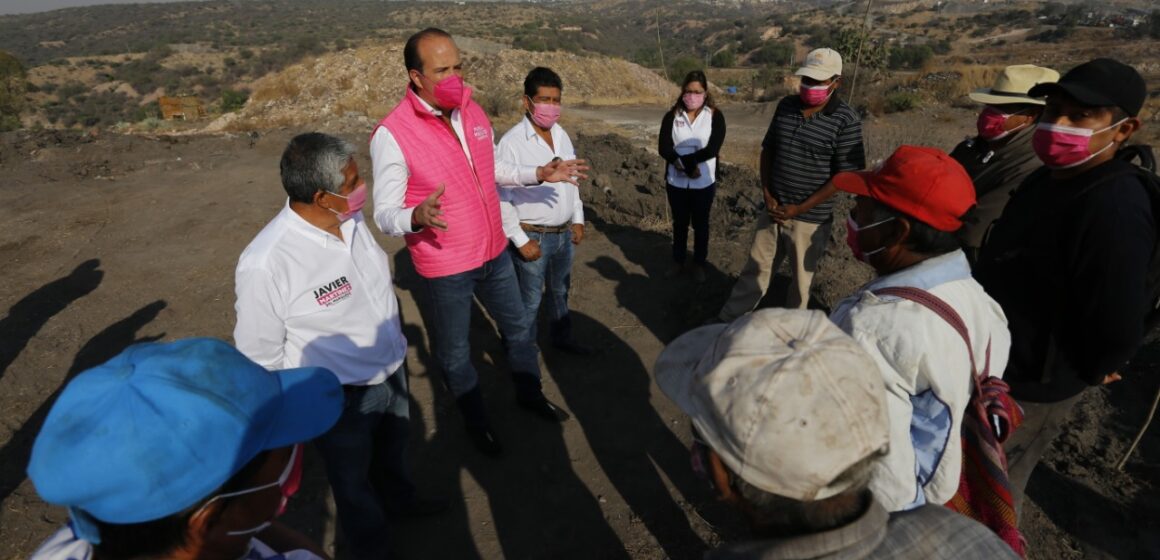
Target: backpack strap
pixel 989 397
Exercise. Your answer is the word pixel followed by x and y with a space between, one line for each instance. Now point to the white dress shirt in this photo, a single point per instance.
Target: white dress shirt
pixel 546 204
pixel 391 174
pixel 688 137
pixel 308 298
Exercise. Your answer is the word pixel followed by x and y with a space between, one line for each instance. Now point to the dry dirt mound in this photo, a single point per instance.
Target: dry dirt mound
pixel 367 82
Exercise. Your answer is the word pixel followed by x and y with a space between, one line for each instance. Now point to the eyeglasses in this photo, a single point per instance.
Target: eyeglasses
pixel 288 482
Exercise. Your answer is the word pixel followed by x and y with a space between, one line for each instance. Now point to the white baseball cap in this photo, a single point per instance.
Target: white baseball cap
pixel 785 398
pixel 821 65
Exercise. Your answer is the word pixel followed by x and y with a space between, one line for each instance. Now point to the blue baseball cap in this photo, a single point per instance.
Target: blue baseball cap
pixel 161 426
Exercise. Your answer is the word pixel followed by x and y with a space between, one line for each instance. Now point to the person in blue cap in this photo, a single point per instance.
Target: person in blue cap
pixel 180 450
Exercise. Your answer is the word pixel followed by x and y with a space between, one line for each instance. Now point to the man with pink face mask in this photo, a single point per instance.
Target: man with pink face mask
pixel 435 175
pixel 1000 157
pixel 1069 257
pixel 813 136
pixel 544 222
pixel 314 289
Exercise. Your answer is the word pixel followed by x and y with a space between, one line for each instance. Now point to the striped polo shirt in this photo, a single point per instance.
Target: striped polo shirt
pixel 807 152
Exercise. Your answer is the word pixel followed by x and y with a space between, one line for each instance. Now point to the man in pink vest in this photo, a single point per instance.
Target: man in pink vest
pixel 435 183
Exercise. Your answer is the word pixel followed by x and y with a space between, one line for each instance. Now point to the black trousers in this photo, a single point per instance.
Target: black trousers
pixel 691 205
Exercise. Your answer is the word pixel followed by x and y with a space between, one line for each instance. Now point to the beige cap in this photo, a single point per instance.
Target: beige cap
pixel 821 64
pixel 1013 83
pixel 786 399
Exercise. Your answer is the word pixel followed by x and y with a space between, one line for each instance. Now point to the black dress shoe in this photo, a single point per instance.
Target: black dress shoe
pixel 420 507
pixel 485 441
pixel 573 347
pixel 544 409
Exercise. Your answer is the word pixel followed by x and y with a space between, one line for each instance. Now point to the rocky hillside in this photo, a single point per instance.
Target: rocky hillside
pixel 365 83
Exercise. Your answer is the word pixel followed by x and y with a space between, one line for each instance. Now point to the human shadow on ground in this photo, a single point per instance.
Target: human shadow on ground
pixel 102 347
pixel 609 394
pixel 539 506
pixel 27 316
pixel 1077 486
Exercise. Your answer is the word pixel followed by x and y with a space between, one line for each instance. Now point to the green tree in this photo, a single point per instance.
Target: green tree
pixel 682 66
pixel 233 100
pixel 723 59
pixel 779 52
pixel 13 87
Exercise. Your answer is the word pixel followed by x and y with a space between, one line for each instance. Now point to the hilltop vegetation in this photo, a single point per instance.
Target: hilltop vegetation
pixel 102 65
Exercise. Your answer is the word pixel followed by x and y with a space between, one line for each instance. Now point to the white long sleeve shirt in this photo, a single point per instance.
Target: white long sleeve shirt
pixel 927 369
pixel 390 175
pixel 546 204
pixel 308 298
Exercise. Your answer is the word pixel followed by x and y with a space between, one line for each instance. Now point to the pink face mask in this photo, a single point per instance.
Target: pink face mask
pixel 449 92
pixel 354 202
pixel 693 101
pixel 1064 147
pixel 852 229
pixel 814 95
pixel 991 122
pixel 545 114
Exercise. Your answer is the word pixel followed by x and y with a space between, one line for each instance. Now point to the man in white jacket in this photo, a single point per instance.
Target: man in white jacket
pixel 903 225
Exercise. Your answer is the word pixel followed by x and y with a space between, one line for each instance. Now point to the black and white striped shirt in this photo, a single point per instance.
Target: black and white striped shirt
pixel 807 152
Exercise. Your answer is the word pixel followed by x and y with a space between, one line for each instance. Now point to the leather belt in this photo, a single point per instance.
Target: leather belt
pixel 545 229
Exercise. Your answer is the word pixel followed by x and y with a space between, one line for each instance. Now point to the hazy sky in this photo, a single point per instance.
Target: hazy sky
pixel 29 6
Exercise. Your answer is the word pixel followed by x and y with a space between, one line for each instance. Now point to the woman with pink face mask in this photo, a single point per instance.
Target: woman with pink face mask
pixel 999 157
pixel 691 136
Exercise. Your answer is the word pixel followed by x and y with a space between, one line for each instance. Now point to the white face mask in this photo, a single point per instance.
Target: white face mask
pixel 295 464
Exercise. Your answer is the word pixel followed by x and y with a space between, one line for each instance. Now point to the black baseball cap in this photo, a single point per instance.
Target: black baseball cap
pixel 1102 82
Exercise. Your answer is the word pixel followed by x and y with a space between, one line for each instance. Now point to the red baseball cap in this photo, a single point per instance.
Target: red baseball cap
pixel 923 183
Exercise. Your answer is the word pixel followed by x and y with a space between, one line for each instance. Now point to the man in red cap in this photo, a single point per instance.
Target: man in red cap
pixel 903 224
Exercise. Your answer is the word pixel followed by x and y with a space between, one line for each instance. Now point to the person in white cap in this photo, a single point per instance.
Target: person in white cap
pixel 813 136
pixel 789 416
pixel 1000 156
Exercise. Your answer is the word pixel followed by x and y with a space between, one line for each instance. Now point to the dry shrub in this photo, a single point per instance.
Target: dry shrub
pixel 655 223
pixel 284 87
pixel 952 84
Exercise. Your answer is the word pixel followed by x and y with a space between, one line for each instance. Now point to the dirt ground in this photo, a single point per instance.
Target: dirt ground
pixel 111 240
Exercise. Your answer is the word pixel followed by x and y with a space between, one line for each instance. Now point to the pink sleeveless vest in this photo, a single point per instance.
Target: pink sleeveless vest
pixel 470 203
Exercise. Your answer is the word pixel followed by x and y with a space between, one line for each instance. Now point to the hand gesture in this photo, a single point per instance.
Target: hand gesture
pixel 785 212
pixel 563 171
pixel 770 202
pixel 428 212
pixel 530 251
pixel 577 233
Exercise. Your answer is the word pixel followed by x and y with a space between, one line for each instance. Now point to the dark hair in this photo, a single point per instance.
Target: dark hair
pixel 772 515
pixel 923 239
pixel 541 77
pixel 411 58
pixel 122 541
pixel 314 161
pixel 699 77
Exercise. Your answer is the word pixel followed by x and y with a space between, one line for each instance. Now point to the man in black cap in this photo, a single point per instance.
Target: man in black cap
pixel 1068 258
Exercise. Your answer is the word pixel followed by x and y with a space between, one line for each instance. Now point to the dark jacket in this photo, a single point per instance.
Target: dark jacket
pixel 710 151
pixel 1068 263
pixel 995 171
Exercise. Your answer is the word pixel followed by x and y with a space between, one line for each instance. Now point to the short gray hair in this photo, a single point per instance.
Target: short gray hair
pixel 773 515
pixel 312 162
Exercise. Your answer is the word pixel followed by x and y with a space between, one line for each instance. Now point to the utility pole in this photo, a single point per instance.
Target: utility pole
pixel 661 49
pixel 858 57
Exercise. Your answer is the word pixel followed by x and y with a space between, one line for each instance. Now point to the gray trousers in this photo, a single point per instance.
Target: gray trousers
pixel 1042 423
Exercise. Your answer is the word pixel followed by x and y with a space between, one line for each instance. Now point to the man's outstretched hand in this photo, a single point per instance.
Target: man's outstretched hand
pixel 562 171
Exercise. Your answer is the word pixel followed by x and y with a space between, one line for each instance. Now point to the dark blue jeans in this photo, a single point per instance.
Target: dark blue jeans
pixel 365 456
pixel 498 290
pixel 691 205
pixel 553 271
